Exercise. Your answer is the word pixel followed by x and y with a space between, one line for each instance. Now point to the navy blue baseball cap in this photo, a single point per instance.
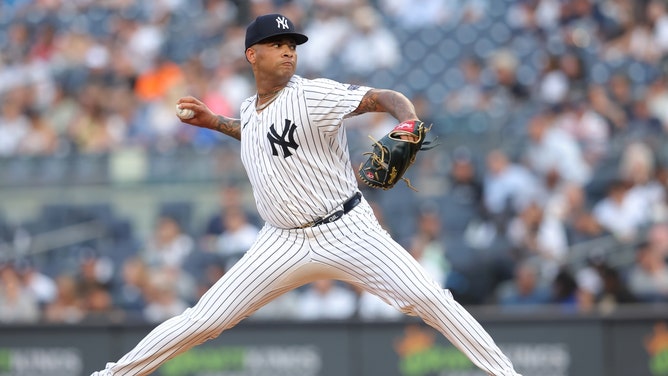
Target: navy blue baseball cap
pixel 271 25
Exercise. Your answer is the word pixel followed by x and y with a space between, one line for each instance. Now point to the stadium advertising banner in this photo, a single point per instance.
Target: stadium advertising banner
pixel 266 350
pixel 418 350
pixel 51 351
pixel 640 348
pixel 537 348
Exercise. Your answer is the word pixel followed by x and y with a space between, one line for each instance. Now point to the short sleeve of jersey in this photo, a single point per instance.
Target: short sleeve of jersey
pixel 330 102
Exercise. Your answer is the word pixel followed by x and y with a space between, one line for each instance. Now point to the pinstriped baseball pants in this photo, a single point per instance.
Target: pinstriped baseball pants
pixel 354 249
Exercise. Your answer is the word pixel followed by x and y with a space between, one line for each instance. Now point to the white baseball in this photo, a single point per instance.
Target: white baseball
pixel 184 113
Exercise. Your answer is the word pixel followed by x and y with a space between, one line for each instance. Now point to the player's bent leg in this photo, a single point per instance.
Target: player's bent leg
pixel 378 264
pixel 263 273
pixel 421 296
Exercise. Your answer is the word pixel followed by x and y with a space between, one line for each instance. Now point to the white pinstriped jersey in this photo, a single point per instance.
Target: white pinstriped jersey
pixel 295 151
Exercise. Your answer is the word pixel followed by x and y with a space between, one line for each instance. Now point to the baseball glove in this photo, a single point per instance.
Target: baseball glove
pixel 393 154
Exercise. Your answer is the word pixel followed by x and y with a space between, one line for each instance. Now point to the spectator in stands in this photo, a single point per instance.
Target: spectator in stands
pixel 238 236
pixel 94 130
pixel 17 46
pixel 553 83
pixel 590 286
pixel 566 202
pixel 661 177
pixel 565 291
pixel 160 89
pixel 620 213
pixel 44 46
pixel 230 197
pixel 621 93
pixel 131 112
pixel 614 290
pixel 67 308
pixel 657 100
pixel 536 235
pixel 569 206
pixel 635 42
pixel 526 289
pixel 552 151
pixel 235 86
pixel 572 64
pixel 463 206
pixel 142 40
pixel 464 181
pixel 428 246
pixel 14 124
pixel 328 30
pixel 40 285
pixel 203 82
pixel 508 92
pixel 412 14
pixel 642 124
pixel 17 304
pixel 167 252
pixel 584 226
pixel 169 245
pixel 563 76
pixel 637 165
pixel 94 270
pixel 326 299
pixel 470 96
pixel 648 277
pixel 128 294
pixel 370 45
pixel 99 305
pixel 162 297
pixel 657 20
pixel 587 127
pixel 507 186
pixel 602 103
pixel 657 236
pixel 41 137
pixel 61 113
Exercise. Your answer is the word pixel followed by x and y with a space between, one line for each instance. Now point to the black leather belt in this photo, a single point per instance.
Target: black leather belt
pixel 347 207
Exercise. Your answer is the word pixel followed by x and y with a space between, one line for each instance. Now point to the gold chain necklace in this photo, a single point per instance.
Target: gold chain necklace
pixel 272 97
pixel 269 94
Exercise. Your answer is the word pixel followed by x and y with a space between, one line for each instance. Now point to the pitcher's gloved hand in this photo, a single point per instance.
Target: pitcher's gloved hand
pixel 393 154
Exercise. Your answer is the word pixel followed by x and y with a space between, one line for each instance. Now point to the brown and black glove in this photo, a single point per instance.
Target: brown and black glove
pixel 393 154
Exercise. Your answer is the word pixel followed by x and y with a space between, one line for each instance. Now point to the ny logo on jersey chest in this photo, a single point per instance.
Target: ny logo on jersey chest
pixel 285 140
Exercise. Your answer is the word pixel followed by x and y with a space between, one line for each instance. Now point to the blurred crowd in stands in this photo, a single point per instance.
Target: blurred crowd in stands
pixel 561 198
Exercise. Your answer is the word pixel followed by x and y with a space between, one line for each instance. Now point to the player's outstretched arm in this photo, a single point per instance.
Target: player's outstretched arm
pixel 203 117
pixel 390 101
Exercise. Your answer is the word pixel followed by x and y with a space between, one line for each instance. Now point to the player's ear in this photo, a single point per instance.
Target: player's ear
pixel 250 55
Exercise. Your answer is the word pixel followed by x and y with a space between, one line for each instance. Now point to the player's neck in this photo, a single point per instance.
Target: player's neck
pixel 267 93
pixel 267 84
pixel 269 88
pixel 261 102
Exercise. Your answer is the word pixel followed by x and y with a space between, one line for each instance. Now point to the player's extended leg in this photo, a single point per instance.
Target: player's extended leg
pixel 371 259
pixel 270 268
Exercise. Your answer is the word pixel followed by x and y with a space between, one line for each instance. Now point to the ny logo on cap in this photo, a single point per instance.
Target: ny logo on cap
pixel 282 22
